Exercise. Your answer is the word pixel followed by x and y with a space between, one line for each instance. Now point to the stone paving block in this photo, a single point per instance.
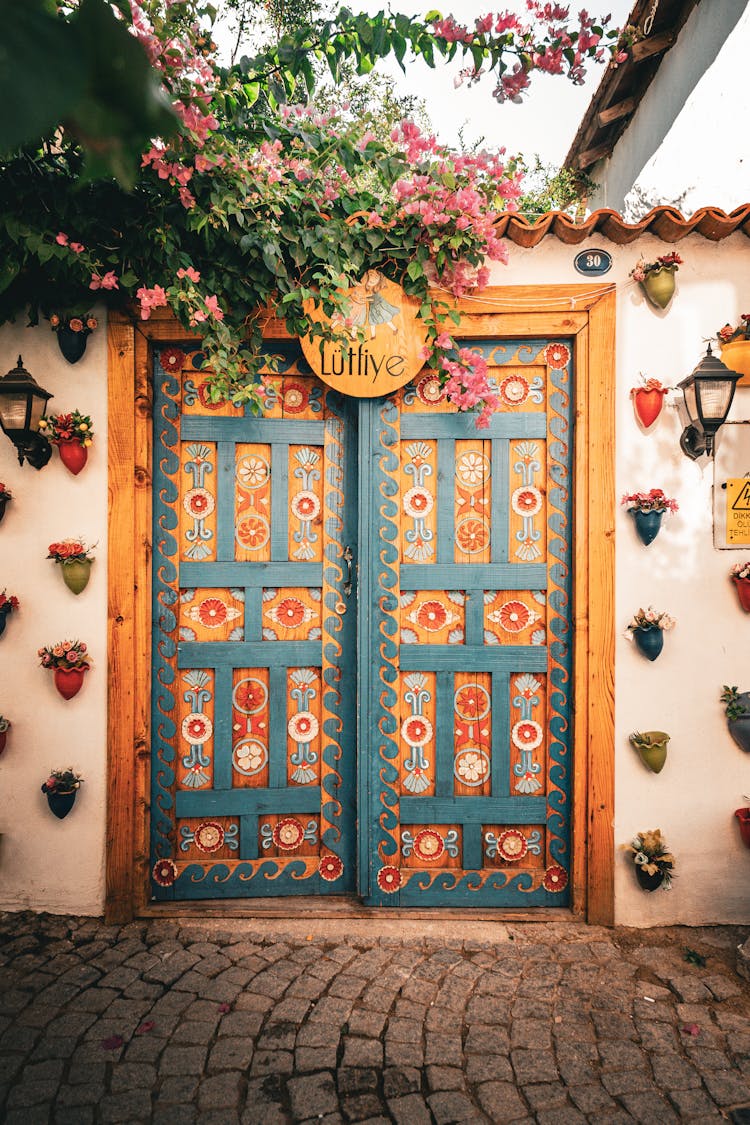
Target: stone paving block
pixel 399 1030
pixel 726 1087
pixel 178 1090
pixel 231 1054
pixel 488 1068
pixel 560 1115
pixel 445 1078
pixel 535 1034
pixel 312 1095
pixel 592 1100
pixel 277 1037
pixel 183 1060
pixel 83 1094
pixel 263 1105
pixel 443 1049
pixel 130 1075
pixel 610 1025
pixel 76 1115
pixel 222 1091
pixel 410 1110
pixel 619 1082
pixel 451 1106
pixel 658 1037
pixel 528 1065
pixel 688 989
pixel 36 1115
pixel 648 1107
pixel 173 1114
pixel 501 1101
pixel 621 1056
pixel 694 1103
pixel 309 1059
pixel 272 1062
pixel 362 1052
pixel 363 1107
pixel 368 1023
pixel 671 1072
pixel 356 1080
pixel 132 1106
pixel 483 1039
pixel 545 1095
pixel 398 1081
pixel 145 1048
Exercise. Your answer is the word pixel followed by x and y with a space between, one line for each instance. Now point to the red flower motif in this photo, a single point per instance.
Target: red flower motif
pixel 208 836
pixel 555 879
pixel 526 501
pixel 389 879
pixel 416 731
pixel 172 359
pixel 250 696
pixel 290 612
pixel 429 845
pixel 431 616
pixel 472 535
pixel 514 390
pixel 514 616
pixel 429 391
pixel 288 834
pixel 471 702
pixel 205 400
pixel 164 872
pixel 212 613
pixel 512 845
pixel 556 356
pixel 330 868
pixel 294 398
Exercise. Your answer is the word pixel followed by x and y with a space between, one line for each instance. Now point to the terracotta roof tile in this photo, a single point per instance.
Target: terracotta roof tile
pixel 665 223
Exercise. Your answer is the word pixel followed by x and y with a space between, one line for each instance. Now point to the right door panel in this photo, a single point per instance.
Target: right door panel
pixel 465 759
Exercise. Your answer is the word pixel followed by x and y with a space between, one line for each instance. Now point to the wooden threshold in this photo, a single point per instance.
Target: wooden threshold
pixel 310 907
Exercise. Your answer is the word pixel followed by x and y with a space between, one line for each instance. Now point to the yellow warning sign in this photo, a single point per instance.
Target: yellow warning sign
pixel 738 512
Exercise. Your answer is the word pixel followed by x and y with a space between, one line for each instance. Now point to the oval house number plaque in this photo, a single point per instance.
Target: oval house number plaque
pixel 380 340
pixel 593 262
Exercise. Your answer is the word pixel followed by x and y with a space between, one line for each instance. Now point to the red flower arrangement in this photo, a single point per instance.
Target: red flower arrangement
pixel 8 604
pixel 65 655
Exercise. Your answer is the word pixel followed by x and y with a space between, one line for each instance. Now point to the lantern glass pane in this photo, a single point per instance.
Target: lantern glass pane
pixel 714 398
pixel 13 410
pixel 689 392
pixel 38 406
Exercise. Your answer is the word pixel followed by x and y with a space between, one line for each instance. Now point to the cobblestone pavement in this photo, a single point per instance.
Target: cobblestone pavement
pixel 408 1022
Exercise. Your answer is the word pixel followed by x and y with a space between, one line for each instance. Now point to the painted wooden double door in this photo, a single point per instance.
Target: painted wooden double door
pixel 361 639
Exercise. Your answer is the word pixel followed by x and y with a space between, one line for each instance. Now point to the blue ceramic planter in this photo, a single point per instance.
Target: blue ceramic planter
pixel 647 524
pixel 649 640
pixel 61 803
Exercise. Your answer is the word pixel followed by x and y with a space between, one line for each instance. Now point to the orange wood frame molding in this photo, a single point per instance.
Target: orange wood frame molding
pixel 584 314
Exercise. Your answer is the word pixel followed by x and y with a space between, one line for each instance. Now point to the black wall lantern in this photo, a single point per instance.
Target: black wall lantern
pixel 708 391
pixel 23 404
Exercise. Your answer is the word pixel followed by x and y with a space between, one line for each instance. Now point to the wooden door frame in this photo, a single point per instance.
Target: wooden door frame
pixel 584 314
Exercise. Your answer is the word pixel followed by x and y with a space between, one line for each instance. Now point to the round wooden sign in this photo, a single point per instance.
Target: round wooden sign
pixel 383 340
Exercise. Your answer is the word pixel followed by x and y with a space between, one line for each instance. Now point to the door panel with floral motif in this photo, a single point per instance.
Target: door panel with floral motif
pixel 464 731
pixel 253 700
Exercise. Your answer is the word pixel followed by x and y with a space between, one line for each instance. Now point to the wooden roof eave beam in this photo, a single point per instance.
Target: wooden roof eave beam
pixel 654 45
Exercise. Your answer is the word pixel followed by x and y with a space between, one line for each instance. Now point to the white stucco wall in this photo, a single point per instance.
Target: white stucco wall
pixel 694 797
pixel 45 863
pixel 685 142
pixel 58 865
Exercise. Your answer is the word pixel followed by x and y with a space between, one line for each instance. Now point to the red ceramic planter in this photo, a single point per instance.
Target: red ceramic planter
pixel 3 739
pixel 69 681
pixel 647 404
pixel 742 586
pixel 73 455
pixel 743 815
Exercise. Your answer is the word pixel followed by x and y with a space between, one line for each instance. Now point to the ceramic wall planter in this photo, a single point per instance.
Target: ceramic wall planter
pixel 4 728
pixel 743 816
pixel 651 746
pixel 73 455
pixel 647 524
pixel 4 615
pixel 740 728
pixel 61 803
pixel 3 503
pixel 736 355
pixel 649 882
pixel 76 574
pixel 69 681
pixel 649 640
pixel 72 344
pixel 659 286
pixel 648 402
pixel 742 586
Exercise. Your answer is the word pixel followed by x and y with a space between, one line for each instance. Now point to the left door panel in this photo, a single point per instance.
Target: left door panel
pixel 253 698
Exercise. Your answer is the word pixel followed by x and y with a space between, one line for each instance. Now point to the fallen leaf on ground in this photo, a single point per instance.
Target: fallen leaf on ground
pixel 224 1008
pixel 691 1029
pixel 112 1042
pixel 145 1027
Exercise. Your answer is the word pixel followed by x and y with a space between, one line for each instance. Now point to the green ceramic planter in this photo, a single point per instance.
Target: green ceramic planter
pixel 652 748
pixel 76 573
pixel 659 286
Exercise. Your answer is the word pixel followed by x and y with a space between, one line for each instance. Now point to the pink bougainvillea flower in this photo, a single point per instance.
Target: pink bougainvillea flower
pixel 112 1042
pixel 61 239
pixel 77 247
pixel 145 1027
pixel 189 273
pixel 107 281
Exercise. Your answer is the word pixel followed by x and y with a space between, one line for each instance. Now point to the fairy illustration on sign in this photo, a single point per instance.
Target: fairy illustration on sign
pixel 367 306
